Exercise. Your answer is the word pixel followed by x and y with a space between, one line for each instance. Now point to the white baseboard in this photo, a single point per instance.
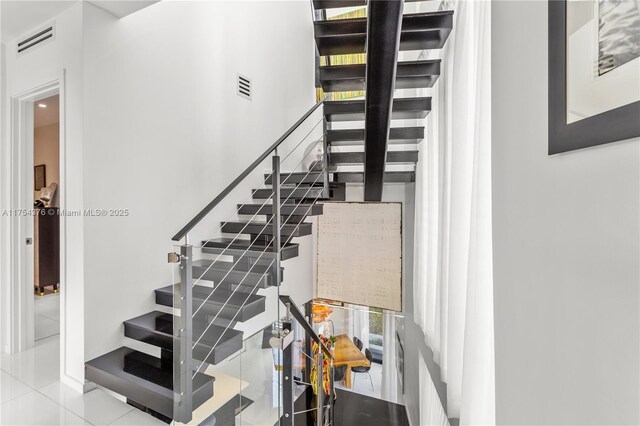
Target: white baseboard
pixel 76 385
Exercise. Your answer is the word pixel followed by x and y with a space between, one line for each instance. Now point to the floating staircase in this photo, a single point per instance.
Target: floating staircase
pixel 227 282
pixel 147 381
pixel 348 36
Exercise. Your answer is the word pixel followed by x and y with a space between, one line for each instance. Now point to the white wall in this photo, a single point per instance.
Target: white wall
pixel 5 247
pixel 165 132
pixel 566 250
pixel 42 65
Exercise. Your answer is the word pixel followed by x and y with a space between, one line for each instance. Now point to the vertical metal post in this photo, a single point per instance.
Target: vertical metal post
pixel 332 396
pixel 308 347
pixel 287 386
pixel 275 185
pixel 320 407
pixel 287 355
pixel 325 157
pixel 183 330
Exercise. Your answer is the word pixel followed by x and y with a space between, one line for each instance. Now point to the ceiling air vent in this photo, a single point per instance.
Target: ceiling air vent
pixel 244 87
pixel 37 38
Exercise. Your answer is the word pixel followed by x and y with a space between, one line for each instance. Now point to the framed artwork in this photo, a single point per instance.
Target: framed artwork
pixel 594 72
pixel 40 176
pixel 360 246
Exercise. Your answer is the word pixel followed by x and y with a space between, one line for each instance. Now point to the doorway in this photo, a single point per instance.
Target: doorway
pixel 46 224
pixel 18 221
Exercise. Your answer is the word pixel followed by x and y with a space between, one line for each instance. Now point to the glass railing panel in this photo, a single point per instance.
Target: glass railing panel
pixel 261 367
pixel 206 350
pixel 361 333
pixel 227 289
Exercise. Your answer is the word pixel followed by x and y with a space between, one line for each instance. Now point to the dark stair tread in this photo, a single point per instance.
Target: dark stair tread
pixel 256 275
pixel 290 193
pixel 427 21
pixel 306 209
pixel 409 75
pixel 317 178
pixel 358 157
pixel 120 371
pixel 397 135
pixel 332 4
pixel 305 178
pixel 156 328
pixel 340 36
pixel 259 228
pixel 236 306
pixel 389 177
pixel 357 177
pixel 353 110
pixel 246 249
pixel 223 265
pixel 428 30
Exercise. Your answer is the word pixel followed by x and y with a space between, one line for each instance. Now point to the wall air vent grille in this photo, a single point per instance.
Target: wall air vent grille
pixel 36 38
pixel 244 87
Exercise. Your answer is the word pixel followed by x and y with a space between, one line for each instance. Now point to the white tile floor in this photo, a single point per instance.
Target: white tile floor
pixel 36 367
pixel 47 315
pixel 31 394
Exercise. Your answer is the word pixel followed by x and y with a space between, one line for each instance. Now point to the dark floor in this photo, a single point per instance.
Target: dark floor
pixel 352 409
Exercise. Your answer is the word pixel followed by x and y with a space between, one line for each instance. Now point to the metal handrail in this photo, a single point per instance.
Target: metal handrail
pixel 242 230
pixel 207 209
pixel 197 370
pixel 295 311
pixel 212 322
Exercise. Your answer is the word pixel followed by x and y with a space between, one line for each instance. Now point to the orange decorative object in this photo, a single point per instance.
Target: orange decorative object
pixel 320 313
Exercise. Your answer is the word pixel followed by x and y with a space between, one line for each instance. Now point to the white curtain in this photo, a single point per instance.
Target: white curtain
pixel 389 391
pixel 453 287
pixel 431 411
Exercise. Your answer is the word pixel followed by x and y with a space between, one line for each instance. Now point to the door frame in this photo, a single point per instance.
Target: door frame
pixel 18 257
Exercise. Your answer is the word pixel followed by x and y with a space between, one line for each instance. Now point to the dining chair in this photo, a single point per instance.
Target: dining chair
pixel 363 370
pixel 358 343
